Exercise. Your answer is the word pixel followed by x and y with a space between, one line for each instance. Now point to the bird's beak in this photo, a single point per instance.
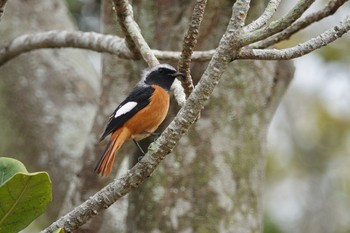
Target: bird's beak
pixel 179 75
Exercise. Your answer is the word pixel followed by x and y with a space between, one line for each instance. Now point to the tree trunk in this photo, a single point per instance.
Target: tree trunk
pixel 213 181
pixel 118 78
pixel 48 97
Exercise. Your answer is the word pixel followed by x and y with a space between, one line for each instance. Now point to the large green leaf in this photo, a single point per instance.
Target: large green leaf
pixel 9 167
pixel 22 199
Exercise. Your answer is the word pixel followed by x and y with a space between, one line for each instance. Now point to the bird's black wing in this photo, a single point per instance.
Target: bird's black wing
pixel 141 96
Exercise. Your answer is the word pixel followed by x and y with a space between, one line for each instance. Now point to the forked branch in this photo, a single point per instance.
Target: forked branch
pixel 330 8
pixel 278 25
pixel 301 49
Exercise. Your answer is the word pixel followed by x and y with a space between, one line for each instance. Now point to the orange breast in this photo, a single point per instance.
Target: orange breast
pixel 149 118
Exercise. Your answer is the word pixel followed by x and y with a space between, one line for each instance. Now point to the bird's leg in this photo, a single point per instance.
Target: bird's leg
pixel 138 146
pixel 145 132
pixel 152 134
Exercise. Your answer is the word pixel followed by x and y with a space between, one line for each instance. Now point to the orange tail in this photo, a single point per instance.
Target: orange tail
pixel 105 163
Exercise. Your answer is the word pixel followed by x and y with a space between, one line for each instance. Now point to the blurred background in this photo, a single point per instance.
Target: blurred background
pixel 307 185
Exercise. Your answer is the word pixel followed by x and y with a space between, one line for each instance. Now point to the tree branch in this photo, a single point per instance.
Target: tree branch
pixel 162 146
pixel 240 11
pixel 331 7
pixel 2 8
pixel 301 49
pixel 134 32
pixel 123 10
pixel 189 43
pixel 278 25
pixel 115 45
pixel 84 40
pixel 262 20
pixel 62 39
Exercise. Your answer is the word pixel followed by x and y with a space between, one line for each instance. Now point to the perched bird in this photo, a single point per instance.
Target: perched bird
pixel 140 114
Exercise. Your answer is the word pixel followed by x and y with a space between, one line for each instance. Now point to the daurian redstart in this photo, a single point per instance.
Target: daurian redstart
pixel 140 114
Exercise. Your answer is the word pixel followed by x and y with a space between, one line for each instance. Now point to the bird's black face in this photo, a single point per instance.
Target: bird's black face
pixel 163 75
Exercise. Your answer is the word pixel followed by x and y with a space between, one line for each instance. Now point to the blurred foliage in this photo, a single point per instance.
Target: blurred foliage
pixel 336 52
pixel 309 156
pixel 307 178
pixel 270 226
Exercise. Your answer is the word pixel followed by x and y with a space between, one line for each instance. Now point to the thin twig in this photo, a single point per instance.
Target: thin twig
pixel 297 51
pixel 262 20
pixel 123 10
pixel 331 7
pixel 278 25
pixel 189 43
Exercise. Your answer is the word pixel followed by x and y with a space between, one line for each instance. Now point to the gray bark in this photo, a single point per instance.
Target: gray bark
pixel 48 98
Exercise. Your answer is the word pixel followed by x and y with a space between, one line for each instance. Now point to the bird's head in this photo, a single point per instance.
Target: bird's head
pixel 162 75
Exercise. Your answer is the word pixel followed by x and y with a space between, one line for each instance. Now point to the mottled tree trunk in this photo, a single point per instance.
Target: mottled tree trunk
pixel 47 99
pixel 213 181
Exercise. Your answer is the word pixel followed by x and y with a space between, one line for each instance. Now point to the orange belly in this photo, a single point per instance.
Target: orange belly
pixel 149 118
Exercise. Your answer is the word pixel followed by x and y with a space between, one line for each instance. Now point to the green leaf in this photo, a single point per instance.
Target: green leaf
pixel 22 199
pixel 59 230
pixel 9 167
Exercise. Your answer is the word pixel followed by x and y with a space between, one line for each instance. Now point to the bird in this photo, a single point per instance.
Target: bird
pixel 140 114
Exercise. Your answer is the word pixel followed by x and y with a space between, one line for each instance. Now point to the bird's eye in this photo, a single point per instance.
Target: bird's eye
pixel 161 71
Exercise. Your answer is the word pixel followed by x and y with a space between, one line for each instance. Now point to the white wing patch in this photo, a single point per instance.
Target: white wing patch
pixel 125 108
